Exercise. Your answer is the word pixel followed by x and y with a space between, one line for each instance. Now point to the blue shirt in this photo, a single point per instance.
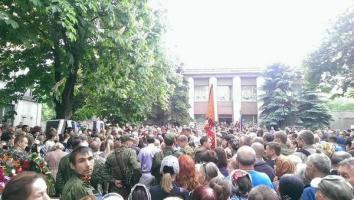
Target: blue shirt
pixel 309 193
pixel 146 156
pixel 260 178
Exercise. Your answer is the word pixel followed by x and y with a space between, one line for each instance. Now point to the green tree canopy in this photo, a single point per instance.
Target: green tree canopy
pixel 177 110
pixel 331 66
pixel 92 57
pixel 279 102
pixel 312 111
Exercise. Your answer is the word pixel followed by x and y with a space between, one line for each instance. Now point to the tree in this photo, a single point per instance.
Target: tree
pixel 179 103
pixel 177 110
pixel 312 112
pixel 279 102
pixel 331 66
pixel 88 57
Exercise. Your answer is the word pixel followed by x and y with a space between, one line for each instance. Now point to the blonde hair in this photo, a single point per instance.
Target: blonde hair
pixel 166 182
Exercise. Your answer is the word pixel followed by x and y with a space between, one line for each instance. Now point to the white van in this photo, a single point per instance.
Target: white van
pixel 61 125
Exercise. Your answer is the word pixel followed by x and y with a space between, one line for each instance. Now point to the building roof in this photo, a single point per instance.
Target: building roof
pixel 224 72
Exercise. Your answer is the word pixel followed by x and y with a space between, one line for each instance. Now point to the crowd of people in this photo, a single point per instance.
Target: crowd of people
pixel 151 162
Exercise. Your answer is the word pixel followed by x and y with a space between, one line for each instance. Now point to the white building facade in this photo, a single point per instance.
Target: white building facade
pixel 25 111
pixel 237 93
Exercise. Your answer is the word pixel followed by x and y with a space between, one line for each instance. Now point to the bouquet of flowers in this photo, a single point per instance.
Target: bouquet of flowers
pixel 38 165
pixel 10 168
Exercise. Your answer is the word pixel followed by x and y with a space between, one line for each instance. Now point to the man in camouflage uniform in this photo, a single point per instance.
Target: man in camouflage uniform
pixel 78 186
pixel 166 151
pixel 122 169
pixel 64 169
pixel 19 150
pixel 185 148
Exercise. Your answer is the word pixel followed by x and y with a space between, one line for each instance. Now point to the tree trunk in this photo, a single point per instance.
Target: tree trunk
pixel 64 107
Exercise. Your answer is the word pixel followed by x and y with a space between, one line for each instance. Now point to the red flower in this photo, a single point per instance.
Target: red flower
pixel 2 174
pixel 19 170
pixel 25 165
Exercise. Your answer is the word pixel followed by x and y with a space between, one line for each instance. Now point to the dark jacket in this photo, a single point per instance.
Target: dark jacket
pixel 158 194
pixel 198 153
pixel 262 166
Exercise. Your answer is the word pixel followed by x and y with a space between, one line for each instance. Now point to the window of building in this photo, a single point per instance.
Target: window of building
pixel 249 93
pixel 223 93
pixel 201 93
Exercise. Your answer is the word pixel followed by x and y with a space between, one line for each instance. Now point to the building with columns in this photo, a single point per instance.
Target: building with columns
pixel 237 93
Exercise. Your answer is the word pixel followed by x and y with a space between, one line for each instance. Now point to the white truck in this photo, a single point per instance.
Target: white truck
pixel 61 125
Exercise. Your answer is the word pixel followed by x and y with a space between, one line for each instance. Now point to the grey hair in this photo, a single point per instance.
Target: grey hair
pixel 307 136
pixel 347 162
pixel 321 162
pixel 246 156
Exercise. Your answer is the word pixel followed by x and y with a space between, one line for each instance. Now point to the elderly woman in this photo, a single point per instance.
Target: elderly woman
pixel 26 186
pixel 206 172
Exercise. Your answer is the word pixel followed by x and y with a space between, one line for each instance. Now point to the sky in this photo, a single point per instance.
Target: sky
pixel 246 33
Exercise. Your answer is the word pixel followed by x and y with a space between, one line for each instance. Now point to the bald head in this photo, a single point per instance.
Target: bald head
pixel 246 156
pixel 182 138
pixel 258 148
pixel 95 146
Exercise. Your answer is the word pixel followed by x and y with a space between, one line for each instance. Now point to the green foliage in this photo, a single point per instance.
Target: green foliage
pixel 279 102
pixel 179 104
pixel 331 67
pixel 48 112
pixel 340 105
pixel 177 110
pixel 312 112
pixel 89 58
pixel 286 102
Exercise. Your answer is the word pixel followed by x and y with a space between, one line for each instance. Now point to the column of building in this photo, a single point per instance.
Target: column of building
pixel 260 82
pixel 236 98
pixel 191 96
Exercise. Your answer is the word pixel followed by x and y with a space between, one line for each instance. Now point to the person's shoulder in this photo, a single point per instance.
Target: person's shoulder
pixel 177 153
pixel 180 192
pixel 156 189
pixel 158 155
pixel 308 193
pixel 129 151
pixel 64 160
pixel 66 156
pixel 259 175
pixel 72 184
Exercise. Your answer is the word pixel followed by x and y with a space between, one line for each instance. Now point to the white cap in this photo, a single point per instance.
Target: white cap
pixel 170 161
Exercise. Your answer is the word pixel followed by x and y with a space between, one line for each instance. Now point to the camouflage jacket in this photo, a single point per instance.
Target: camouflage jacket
pixel 75 189
pixel 122 164
pixel 18 154
pixel 188 150
pixel 65 173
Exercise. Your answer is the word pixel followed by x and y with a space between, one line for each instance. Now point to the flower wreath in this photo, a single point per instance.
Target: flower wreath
pixel 10 168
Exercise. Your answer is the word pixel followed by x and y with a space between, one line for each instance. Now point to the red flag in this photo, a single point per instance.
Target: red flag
pixel 211 119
